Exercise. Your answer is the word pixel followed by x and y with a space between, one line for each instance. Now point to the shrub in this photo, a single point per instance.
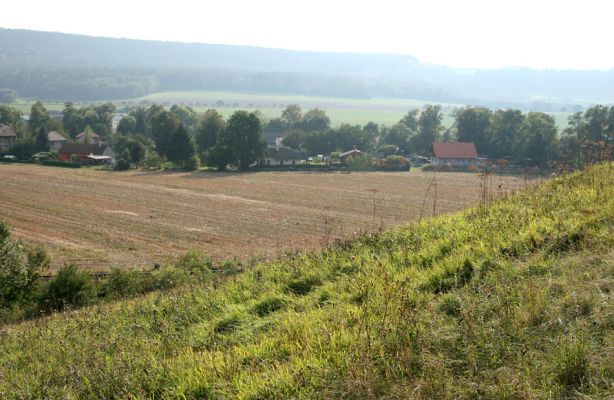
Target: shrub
pixel 360 161
pixel 122 165
pixel 70 287
pixel 195 262
pixel 18 269
pixel 192 163
pixel 51 163
pixel 153 160
pixel 168 278
pixel 121 283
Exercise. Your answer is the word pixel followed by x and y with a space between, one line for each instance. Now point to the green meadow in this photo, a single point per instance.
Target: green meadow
pixel 510 299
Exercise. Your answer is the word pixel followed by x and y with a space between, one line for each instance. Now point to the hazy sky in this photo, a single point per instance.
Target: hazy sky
pixel 464 33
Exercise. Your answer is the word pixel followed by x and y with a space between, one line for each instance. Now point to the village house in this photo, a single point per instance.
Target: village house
pixel 455 155
pixel 55 141
pixel 88 153
pixel 279 154
pixel 7 137
pixel 343 157
pixel 82 137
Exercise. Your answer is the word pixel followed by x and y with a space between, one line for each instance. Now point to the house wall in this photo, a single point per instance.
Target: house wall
pixel 55 145
pixel 109 153
pixel 6 142
pixel 274 161
pixel 461 162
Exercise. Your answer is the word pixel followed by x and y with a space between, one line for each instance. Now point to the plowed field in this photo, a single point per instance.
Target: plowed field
pixel 98 219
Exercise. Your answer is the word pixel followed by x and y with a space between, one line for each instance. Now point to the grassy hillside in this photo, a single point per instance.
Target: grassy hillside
pixel 507 300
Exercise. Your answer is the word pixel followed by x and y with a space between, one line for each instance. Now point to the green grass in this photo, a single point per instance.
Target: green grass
pixel 504 301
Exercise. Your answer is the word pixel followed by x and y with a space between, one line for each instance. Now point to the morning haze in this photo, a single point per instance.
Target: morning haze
pixel 306 200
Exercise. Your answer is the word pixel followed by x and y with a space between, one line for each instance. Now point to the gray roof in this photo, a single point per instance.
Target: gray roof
pixel 284 153
pixel 353 151
pixel 6 131
pixel 82 135
pixel 83 148
pixel 54 136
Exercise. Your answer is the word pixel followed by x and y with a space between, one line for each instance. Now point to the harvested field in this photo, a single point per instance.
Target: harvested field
pixel 98 219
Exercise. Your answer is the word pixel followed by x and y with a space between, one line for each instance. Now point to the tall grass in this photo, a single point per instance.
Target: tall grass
pixel 509 300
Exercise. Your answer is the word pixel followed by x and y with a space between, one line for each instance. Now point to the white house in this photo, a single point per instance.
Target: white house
pixel 279 154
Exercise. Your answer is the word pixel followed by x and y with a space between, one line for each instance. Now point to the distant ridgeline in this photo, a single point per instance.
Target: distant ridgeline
pixel 56 66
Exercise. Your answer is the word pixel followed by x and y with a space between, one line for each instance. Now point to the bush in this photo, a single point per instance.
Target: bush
pixel 63 164
pixel 70 288
pixel 360 161
pixel 122 165
pixel 121 283
pixel 153 160
pixel 195 262
pixel 168 278
pixel 192 163
pixel 18 269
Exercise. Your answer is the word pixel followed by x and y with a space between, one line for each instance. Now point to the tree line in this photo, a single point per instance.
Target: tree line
pixel 150 136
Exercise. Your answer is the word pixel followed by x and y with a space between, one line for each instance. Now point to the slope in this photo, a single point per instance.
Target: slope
pixel 506 300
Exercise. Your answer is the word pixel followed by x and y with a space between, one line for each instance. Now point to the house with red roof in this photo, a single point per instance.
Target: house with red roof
pixel 455 154
pixel 88 153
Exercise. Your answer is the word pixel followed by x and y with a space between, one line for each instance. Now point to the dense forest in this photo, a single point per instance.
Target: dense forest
pixel 55 66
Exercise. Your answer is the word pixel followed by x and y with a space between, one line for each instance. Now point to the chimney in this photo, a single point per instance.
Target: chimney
pixel 278 142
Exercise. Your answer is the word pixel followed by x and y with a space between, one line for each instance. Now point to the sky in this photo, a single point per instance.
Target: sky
pixel 459 33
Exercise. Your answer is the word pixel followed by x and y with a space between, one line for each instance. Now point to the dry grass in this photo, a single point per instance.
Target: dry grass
pixel 100 219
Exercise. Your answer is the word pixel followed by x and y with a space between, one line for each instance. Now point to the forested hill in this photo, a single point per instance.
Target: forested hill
pixel 56 66
pixel 22 47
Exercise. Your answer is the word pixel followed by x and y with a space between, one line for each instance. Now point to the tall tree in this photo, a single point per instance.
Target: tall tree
pixel 72 120
pixel 410 120
pixel 537 144
pixel 315 120
pixel 10 116
pixel 127 125
pixel 163 126
pixel 399 135
pixel 429 129
pixel 181 150
pixel 39 118
pixel 209 129
pixel 292 115
pixel 473 125
pixel 187 116
pixel 506 128
pixel 243 137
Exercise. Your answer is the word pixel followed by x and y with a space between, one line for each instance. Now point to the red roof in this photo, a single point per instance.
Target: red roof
pixel 455 150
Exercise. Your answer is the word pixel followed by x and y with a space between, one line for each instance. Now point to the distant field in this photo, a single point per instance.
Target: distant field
pixel 385 111
pixel 99 219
